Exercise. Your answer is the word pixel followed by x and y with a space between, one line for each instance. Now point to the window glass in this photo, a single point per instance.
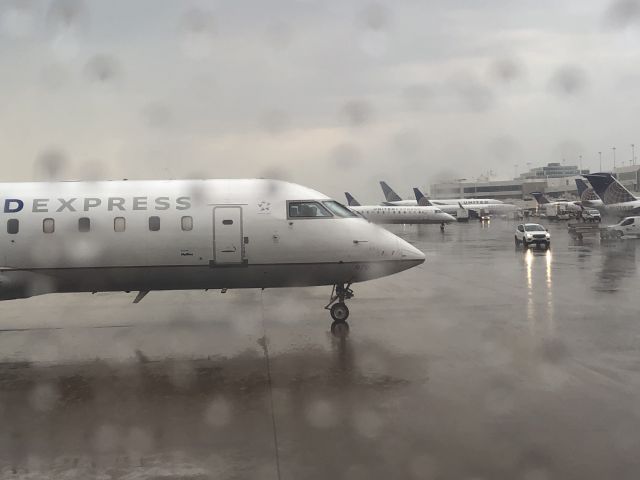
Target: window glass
pixel 13 226
pixel 119 224
pixel 186 223
pixel 520 228
pixel 338 209
pixel 306 209
pixel 48 225
pixel 154 224
pixel 534 228
pixel 84 224
pixel 628 221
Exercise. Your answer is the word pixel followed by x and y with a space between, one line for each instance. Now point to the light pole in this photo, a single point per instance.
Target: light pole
pixel 580 164
pixel 600 154
pixel 614 159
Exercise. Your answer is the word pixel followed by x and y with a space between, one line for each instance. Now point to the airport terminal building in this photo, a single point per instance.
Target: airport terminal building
pixel 554 179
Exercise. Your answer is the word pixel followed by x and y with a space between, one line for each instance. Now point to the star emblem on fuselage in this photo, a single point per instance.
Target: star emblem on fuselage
pixel 264 207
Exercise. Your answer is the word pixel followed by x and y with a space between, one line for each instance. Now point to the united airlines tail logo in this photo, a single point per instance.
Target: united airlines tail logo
pixel 589 194
pixel 616 193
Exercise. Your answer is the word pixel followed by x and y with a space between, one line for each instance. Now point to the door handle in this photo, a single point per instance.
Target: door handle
pixel 360 241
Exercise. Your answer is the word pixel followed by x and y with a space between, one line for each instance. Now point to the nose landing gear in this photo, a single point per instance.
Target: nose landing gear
pixel 338 309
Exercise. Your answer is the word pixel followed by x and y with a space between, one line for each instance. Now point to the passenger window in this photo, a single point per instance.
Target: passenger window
pixel 84 224
pixel 628 221
pixel 48 225
pixel 13 226
pixel 307 210
pixel 154 224
pixel 119 224
pixel 186 223
pixel 227 222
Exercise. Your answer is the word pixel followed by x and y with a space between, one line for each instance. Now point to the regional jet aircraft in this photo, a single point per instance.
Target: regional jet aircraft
pixel 615 197
pixel 450 205
pixel 399 214
pixel 179 235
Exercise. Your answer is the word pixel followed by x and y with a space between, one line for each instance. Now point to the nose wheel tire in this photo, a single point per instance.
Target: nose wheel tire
pixel 340 328
pixel 339 312
pixel 338 309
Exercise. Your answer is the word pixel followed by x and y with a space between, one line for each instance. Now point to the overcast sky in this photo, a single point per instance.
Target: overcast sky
pixel 331 94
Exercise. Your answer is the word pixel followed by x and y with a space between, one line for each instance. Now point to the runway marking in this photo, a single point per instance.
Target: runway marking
pixel 36 329
pixel 268 365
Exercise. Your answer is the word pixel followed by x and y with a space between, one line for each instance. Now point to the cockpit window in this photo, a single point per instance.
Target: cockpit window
pixel 338 209
pixel 307 209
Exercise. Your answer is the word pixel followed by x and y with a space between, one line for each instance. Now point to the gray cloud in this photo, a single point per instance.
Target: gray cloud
pixel 410 91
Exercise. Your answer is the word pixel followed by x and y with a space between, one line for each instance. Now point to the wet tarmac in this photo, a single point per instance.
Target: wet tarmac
pixel 486 362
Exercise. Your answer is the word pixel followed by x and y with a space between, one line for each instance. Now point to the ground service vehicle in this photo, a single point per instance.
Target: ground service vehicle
pixel 629 227
pixel 591 215
pixel 532 234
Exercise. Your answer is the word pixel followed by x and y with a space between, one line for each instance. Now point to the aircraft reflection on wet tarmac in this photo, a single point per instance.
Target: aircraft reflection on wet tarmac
pixel 485 362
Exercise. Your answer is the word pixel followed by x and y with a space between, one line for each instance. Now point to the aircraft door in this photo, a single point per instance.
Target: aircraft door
pixel 227 235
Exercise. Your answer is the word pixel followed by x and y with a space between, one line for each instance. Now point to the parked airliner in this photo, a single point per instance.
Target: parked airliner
pixel 541 199
pixel 450 205
pixel 188 234
pixel 391 214
pixel 615 197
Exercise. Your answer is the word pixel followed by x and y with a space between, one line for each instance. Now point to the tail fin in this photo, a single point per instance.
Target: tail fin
pixel 585 192
pixel 421 199
pixel 352 202
pixel 581 186
pixel 609 189
pixel 389 194
pixel 540 198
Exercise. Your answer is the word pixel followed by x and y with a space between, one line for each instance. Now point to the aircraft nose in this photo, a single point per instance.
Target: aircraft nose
pixel 448 218
pixel 410 254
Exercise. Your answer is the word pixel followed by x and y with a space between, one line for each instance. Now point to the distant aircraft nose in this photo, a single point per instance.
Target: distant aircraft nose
pixel 447 218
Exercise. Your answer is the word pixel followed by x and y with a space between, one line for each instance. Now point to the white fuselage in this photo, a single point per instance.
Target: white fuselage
pixel 567 206
pixel 403 214
pixel 595 203
pixel 182 234
pixel 451 206
pixel 621 208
